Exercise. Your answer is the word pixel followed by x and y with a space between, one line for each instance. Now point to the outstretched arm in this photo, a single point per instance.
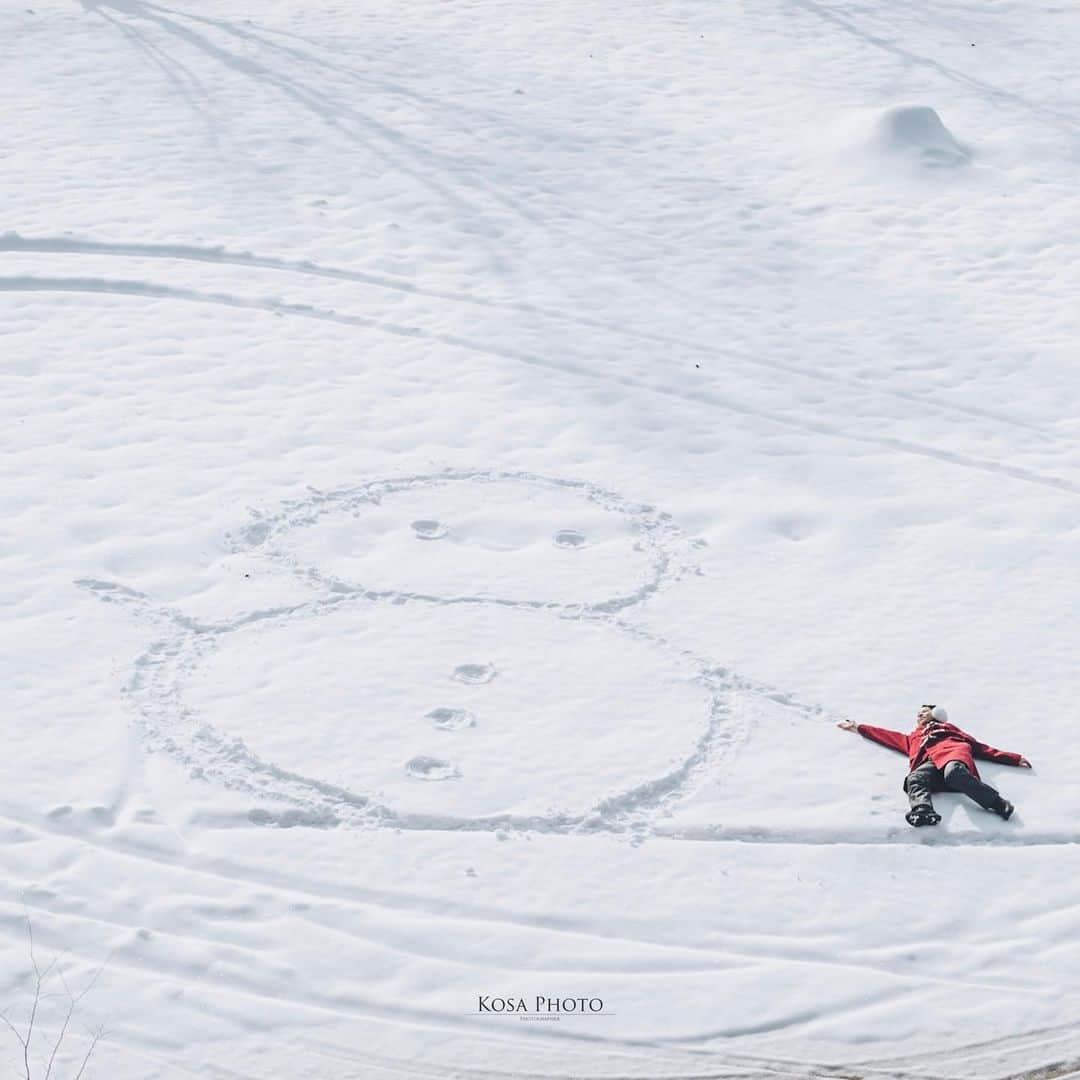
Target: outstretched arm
pixel 1003 757
pixel 894 740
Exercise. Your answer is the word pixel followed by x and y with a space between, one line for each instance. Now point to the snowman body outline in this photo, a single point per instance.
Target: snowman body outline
pixel 289 798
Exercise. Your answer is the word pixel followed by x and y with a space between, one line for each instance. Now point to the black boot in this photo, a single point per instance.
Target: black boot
pixel 920 785
pixel 923 814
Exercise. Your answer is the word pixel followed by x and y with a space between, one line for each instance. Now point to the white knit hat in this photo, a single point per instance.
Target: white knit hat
pixel 938 713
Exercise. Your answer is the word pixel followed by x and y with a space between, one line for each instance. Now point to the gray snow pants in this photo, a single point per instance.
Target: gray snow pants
pixel 921 783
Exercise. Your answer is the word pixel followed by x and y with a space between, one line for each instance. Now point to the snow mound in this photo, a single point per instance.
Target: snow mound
pixel 917 132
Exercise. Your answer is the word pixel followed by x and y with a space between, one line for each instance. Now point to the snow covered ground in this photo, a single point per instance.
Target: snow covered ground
pixel 462 459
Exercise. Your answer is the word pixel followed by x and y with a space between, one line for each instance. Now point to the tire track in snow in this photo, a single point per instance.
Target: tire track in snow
pixel 219 256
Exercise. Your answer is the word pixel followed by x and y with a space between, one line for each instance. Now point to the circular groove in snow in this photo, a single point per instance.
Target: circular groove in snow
pixel 682 740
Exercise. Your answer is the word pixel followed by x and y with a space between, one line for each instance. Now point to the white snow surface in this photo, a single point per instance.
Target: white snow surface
pixel 461 461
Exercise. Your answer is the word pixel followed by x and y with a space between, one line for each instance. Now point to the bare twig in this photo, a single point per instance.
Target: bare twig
pixel 39 981
pixel 60 1037
pixel 41 978
pixel 90 985
pixel 14 1029
pixel 73 1000
pixel 97 1037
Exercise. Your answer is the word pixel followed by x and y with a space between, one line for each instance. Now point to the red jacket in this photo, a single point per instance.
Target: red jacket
pixel 939 743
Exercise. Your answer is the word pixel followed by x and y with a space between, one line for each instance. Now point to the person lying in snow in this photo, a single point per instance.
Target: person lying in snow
pixel 942 758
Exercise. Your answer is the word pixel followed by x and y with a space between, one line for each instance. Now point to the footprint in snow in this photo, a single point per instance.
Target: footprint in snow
pixel 474 674
pixel 430 768
pixel 429 530
pixel 451 719
pixel 569 538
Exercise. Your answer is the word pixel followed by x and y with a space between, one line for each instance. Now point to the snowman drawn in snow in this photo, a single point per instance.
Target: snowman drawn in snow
pixel 445 651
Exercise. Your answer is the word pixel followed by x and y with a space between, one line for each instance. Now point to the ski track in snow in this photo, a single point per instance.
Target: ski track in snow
pixel 397 150
pixel 1060 120
pixel 219 256
pixel 701 396
pixel 342 909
